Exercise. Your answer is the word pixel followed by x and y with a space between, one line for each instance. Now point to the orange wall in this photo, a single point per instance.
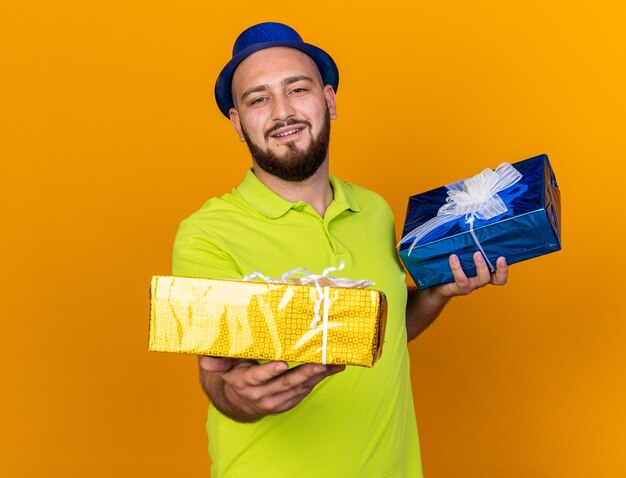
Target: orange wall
pixel 109 136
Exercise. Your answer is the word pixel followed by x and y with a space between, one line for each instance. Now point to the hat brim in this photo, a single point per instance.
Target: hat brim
pixel 223 87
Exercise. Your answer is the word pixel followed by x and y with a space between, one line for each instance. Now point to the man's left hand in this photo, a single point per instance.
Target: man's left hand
pixel 463 285
pixel 424 306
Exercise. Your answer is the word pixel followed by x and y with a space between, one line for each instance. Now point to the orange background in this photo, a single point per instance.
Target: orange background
pixel 109 136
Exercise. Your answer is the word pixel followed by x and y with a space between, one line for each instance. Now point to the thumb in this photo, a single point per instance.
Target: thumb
pixel 216 364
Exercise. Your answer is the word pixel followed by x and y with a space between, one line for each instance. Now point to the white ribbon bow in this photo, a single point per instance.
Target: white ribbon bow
pixel 322 283
pixel 475 197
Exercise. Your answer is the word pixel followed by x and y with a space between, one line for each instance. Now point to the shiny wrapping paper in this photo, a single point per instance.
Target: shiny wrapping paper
pixel 265 321
pixel 530 227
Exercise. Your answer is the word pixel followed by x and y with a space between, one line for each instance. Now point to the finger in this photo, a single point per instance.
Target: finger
pixel 253 374
pixel 483 276
pixel 245 363
pixel 300 375
pixel 333 369
pixel 501 275
pixel 460 279
pixel 216 364
pixel 290 397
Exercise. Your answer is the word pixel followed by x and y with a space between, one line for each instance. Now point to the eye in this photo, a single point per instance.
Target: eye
pixel 259 100
pixel 299 89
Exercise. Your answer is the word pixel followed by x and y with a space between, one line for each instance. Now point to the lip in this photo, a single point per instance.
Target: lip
pixel 297 128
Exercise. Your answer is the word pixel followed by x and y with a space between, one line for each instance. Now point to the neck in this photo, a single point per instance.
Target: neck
pixel 315 191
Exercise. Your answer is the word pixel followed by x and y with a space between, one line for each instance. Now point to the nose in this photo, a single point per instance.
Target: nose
pixel 282 109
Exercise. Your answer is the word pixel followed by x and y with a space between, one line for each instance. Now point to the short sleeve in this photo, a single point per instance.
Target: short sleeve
pixel 197 254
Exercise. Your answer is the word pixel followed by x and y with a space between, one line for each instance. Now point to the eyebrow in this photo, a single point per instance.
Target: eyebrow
pixel 294 79
pixel 287 81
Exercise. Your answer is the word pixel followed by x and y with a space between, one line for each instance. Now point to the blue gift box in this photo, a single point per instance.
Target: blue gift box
pixel 520 221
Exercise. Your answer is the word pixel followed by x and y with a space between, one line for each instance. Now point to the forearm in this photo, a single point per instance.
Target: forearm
pixel 422 308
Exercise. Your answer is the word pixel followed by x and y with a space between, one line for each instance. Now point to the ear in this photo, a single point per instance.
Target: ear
pixel 234 119
pixel 329 95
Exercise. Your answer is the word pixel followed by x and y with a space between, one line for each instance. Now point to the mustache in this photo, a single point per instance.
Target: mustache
pixel 289 122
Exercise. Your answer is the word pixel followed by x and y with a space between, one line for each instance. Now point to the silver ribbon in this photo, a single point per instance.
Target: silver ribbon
pixel 322 282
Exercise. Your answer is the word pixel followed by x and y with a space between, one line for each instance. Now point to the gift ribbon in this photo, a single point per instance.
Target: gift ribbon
pixel 475 197
pixel 322 283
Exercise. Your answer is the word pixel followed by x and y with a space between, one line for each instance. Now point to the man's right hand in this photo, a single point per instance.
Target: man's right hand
pixel 247 391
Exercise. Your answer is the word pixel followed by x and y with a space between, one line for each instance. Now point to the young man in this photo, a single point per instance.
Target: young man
pixel 269 420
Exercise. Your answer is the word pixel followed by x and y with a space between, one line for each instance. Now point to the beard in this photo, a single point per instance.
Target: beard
pixel 296 165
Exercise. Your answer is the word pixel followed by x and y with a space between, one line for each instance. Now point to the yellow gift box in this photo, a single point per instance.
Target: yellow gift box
pixel 267 321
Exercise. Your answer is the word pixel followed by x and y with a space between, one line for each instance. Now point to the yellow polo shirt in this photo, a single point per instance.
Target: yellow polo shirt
pixel 359 423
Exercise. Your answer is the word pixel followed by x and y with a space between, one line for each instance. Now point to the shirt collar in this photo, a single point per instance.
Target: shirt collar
pixel 342 194
pixel 270 204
